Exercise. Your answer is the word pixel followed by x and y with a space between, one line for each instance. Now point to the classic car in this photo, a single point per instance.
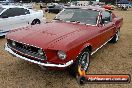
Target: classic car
pixel 69 40
pixel 12 16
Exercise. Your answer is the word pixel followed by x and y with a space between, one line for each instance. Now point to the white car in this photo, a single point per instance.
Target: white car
pixel 12 17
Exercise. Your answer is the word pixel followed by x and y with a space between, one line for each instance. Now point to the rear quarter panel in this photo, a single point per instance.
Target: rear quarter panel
pixel 118 22
pixel 37 15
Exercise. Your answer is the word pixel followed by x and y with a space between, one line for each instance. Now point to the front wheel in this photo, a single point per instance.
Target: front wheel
pixel 83 60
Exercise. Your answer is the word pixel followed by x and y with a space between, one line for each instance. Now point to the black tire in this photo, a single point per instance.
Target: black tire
pixel 116 37
pixel 83 59
pixel 36 21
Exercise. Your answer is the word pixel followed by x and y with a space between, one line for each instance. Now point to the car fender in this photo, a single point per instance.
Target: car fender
pixel 37 15
pixel 87 45
pixel 78 50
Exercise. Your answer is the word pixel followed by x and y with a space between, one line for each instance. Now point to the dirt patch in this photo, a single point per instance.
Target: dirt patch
pixel 111 59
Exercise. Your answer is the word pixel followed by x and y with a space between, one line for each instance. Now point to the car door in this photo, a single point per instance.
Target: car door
pixel 108 28
pixel 24 16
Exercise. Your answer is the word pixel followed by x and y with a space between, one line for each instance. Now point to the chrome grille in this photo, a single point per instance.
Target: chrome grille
pixel 27 50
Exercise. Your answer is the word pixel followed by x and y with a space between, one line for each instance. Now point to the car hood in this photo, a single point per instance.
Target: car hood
pixel 45 35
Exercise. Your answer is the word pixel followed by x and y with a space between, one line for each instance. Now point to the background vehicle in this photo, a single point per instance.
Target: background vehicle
pixel 54 8
pixel 123 4
pixel 109 7
pixel 12 17
pixel 69 40
pixel 5 1
pixel 130 4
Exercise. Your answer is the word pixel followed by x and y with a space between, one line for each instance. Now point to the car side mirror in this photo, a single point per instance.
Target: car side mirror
pixel 4 16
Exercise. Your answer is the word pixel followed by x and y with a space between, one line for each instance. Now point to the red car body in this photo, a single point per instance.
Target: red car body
pixel 70 37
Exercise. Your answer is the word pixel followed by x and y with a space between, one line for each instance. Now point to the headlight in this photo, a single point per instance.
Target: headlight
pixel 13 43
pixel 61 55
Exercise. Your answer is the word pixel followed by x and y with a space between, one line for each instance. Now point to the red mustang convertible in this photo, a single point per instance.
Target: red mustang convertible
pixel 68 41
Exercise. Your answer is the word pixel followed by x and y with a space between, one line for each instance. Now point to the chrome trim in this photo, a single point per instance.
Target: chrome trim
pixel 100 46
pixel 36 62
pixel 27 45
pixel 24 43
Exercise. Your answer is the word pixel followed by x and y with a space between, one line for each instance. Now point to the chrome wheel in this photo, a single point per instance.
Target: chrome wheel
pixel 117 35
pixel 84 60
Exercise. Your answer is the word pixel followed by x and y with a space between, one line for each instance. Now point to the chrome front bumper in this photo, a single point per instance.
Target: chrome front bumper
pixel 36 62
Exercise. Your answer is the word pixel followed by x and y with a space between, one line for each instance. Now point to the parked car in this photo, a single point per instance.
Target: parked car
pixel 123 4
pixel 16 16
pixel 130 4
pixel 68 41
pixel 54 8
pixel 109 7
pixel 5 1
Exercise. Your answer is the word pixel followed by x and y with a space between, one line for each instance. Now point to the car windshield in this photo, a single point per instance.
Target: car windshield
pixel 85 16
pixel 1 9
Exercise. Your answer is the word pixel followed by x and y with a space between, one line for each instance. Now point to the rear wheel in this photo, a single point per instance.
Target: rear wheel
pixel 83 60
pixel 116 37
